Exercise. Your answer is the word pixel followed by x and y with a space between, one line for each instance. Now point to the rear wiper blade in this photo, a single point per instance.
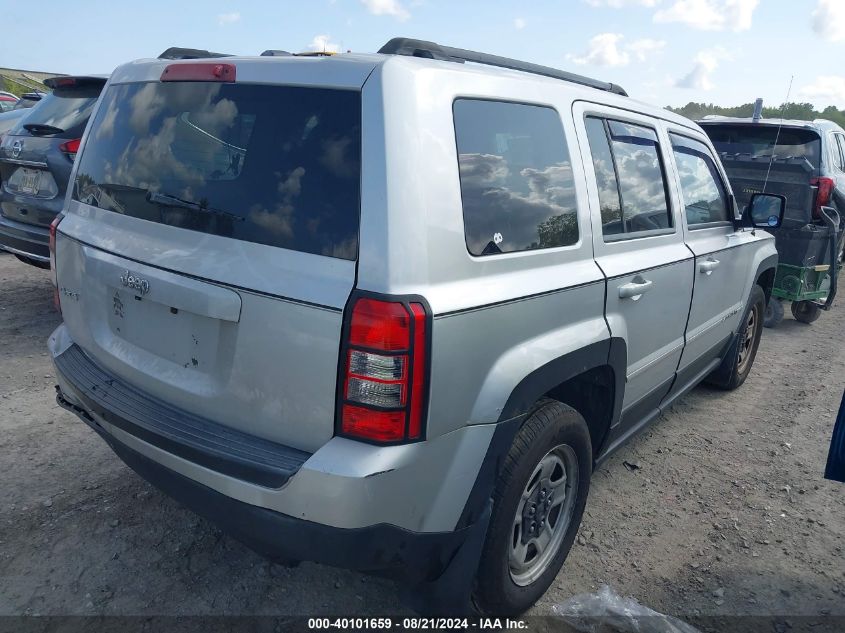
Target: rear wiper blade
pixel 42 129
pixel 173 201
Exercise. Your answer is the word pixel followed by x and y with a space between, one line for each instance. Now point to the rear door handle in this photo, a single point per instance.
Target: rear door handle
pixel 708 266
pixel 635 289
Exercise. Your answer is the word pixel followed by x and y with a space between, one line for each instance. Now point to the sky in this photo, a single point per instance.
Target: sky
pixel 667 52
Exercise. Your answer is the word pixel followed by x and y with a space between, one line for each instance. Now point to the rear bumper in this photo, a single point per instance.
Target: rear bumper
pixel 343 506
pixel 25 239
pixel 384 549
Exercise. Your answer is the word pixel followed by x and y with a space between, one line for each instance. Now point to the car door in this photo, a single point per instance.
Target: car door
pixel 721 262
pixel 638 243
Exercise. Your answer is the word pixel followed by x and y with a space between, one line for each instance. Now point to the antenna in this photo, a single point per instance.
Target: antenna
pixel 777 135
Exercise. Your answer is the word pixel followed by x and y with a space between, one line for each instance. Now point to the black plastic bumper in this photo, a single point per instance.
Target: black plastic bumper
pixel 25 239
pixel 439 565
pixel 198 440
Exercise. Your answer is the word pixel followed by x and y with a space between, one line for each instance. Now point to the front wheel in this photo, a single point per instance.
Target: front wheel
pixel 737 363
pixel 538 503
pixel 805 311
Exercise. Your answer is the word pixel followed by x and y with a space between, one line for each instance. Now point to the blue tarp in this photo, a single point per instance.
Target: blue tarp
pixel 836 460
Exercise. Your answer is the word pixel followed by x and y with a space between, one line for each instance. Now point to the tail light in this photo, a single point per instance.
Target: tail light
pixel 824 193
pixel 384 371
pixel 70 148
pixel 54 277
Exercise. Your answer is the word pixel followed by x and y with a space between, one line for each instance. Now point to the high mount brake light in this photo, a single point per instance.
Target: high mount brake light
pixel 823 195
pixel 200 71
pixel 384 371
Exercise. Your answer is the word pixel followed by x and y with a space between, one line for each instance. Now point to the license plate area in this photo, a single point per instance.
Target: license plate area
pixel 30 180
pixel 181 337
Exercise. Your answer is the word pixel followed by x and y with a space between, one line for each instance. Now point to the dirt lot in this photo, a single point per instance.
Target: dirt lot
pixel 721 508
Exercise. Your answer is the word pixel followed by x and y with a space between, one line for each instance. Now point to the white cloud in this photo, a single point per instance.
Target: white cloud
pixel 603 50
pixel 618 4
pixel 519 24
pixel 606 49
pixel 710 15
pixel 387 7
pixel 829 20
pixel 643 48
pixel 323 43
pixel 824 91
pixel 704 65
pixel 228 18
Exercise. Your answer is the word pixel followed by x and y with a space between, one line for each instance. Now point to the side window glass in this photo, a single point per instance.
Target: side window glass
pixel 640 174
pixel 517 187
pixel 705 199
pixel 608 187
pixel 630 177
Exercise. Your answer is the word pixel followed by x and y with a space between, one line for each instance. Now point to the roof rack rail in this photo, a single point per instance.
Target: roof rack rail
pixel 175 52
pixel 430 50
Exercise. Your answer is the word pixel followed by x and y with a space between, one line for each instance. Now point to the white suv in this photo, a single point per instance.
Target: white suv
pixel 388 311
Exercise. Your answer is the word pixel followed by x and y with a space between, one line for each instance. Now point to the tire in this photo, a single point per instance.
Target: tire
pixel 805 311
pixel 33 262
pixel 774 313
pixel 738 361
pixel 554 439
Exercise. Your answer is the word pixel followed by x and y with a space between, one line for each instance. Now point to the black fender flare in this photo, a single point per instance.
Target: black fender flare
pixel 769 263
pixel 612 352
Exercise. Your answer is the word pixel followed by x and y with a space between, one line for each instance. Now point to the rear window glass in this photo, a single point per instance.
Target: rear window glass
pixel 67 110
pixel 516 177
pixel 740 142
pixel 274 165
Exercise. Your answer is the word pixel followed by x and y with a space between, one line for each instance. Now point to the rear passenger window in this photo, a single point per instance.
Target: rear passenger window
pixel 626 158
pixel 705 199
pixel 516 177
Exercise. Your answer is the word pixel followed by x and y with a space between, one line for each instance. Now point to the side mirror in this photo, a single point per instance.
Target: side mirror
pixel 765 210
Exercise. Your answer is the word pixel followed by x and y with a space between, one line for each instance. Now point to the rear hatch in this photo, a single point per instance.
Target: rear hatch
pixel 210 242
pixel 36 156
pixel 783 160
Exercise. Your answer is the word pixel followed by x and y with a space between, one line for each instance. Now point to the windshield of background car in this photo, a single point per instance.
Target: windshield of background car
pixel 67 109
pixel 274 165
pixel 758 141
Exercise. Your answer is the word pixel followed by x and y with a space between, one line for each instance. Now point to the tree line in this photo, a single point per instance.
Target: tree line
pixel 791 110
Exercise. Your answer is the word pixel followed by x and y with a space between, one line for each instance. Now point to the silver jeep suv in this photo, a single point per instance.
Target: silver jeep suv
pixel 388 312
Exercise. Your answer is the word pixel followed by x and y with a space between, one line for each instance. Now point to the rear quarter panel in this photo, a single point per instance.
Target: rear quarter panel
pixel 496 318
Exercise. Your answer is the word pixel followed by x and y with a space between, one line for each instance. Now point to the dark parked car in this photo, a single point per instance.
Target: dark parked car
pixel 36 157
pixel 28 100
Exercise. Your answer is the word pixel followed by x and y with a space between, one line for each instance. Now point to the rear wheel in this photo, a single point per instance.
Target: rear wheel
pixel 538 503
pixel 774 313
pixel 805 311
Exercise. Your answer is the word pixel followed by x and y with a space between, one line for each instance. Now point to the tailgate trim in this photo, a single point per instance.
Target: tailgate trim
pixel 203 442
pixel 221 284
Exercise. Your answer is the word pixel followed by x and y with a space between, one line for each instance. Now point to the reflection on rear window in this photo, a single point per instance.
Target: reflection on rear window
pixel 274 165
pixel 65 109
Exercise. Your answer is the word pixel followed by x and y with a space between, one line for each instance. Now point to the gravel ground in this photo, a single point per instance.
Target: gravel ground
pixel 719 508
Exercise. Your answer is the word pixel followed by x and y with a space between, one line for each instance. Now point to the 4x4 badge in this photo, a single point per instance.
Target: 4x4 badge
pixel 135 282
